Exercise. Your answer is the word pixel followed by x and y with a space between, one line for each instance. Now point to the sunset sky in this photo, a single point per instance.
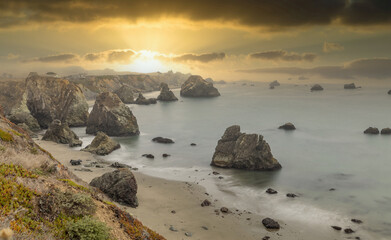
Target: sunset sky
pixel 263 40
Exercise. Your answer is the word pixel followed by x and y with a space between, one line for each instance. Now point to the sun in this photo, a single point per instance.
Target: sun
pixel 145 62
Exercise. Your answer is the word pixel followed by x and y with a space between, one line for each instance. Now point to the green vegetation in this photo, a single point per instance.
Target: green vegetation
pixel 87 228
pixel 76 204
pixel 11 170
pixel 17 133
pixel 5 136
pixel 75 185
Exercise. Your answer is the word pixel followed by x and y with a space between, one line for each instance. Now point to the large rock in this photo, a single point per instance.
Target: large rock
pixel 287 126
pixel 61 133
pixel 125 93
pixel 102 145
pixel 316 87
pixel 166 95
pixel 195 86
pixel 243 151
pixel 111 116
pixel 372 130
pixel 386 131
pixel 120 185
pixel 50 98
pixel 141 100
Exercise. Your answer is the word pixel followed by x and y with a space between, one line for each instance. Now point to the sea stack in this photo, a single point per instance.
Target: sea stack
pixel 196 86
pixel 243 151
pixel 60 133
pixel 111 116
pixel 141 100
pixel 125 93
pixel 166 95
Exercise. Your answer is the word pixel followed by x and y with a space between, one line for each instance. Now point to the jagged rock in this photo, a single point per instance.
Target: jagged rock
pixel 125 93
pixel 195 86
pixel 349 86
pixel 372 130
pixel 102 145
pixel 287 126
pixel 162 140
pixel 243 151
pixel 75 162
pixel 50 98
pixel 274 84
pixel 270 223
pixel 141 100
pixel 61 133
pixel 120 185
pixel 386 131
pixel 166 95
pixel 316 87
pixel 111 116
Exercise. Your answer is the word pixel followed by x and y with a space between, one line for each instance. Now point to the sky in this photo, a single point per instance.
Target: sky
pixel 258 40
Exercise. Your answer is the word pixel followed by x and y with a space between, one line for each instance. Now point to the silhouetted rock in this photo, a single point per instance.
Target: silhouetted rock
pixel 316 87
pixel 243 151
pixel 120 185
pixel 162 140
pixel 125 93
pixel 287 126
pixel 349 86
pixel 270 223
pixel 60 133
pixel 166 95
pixel 141 100
pixel 111 116
pixel 195 86
pixel 102 145
pixel 386 131
pixel 372 130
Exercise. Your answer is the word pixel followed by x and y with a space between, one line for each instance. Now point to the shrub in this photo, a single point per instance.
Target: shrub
pixel 87 228
pixel 5 136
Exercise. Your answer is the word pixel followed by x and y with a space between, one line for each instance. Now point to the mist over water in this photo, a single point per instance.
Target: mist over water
pixel 328 150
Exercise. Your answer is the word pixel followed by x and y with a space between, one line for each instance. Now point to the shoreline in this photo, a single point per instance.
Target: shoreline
pixel 158 197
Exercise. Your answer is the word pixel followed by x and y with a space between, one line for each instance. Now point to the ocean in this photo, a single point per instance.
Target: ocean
pixel 327 150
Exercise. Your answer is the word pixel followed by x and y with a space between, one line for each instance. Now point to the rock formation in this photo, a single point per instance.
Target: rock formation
pixel 195 86
pixel 349 86
pixel 372 130
pixel 274 84
pixel 61 133
pixel 141 100
pixel 162 140
pixel 386 131
pixel 125 93
pixel 102 145
pixel 243 151
pixel 111 116
pixel 166 95
pixel 20 114
pixel 287 126
pixel 50 98
pixel 316 87
pixel 120 185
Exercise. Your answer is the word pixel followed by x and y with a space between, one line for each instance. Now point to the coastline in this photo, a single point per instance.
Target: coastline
pixel 159 197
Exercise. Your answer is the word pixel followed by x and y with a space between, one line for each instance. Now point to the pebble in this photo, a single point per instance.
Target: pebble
pixel 188 234
pixel 172 228
pixel 205 228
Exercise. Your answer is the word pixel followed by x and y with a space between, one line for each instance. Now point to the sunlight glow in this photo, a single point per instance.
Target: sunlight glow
pixel 145 62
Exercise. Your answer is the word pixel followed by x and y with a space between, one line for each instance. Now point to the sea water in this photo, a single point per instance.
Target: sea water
pixel 328 150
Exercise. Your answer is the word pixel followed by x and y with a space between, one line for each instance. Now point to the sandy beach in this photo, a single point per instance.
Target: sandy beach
pixel 158 198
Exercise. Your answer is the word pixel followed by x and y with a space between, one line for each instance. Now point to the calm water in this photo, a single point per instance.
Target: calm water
pixel 328 150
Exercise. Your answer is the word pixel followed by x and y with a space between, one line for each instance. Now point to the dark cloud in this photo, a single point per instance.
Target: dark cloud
pixel 376 68
pixel 93 57
pixel 330 47
pixel 120 56
pixel 57 58
pixel 269 13
pixel 206 57
pixel 281 55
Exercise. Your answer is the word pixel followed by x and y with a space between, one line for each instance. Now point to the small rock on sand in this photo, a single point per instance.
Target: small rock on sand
pixel 348 231
pixel 205 203
pixel 337 228
pixel 270 223
pixel 271 191
pixel 358 221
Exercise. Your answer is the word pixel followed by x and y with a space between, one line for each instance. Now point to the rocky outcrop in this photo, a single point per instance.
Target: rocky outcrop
pixel 125 93
pixel 61 133
pixel 287 126
pixel 386 131
pixel 316 87
pixel 20 114
pixel 141 100
pixel 274 84
pixel 50 98
pixel 111 116
pixel 349 86
pixel 102 145
pixel 120 185
pixel 162 140
pixel 243 151
pixel 195 86
pixel 166 95
pixel 372 130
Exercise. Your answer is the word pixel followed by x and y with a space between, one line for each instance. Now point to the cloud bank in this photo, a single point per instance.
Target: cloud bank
pixel 281 55
pixel 331 47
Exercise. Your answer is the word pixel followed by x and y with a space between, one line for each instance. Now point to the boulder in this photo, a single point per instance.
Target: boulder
pixel 162 140
pixel 111 116
pixel 61 133
pixel 274 84
pixel 243 151
pixel 195 86
pixel 386 131
pixel 270 223
pixel 120 185
pixel 206 203
pixel 271 191
pixel 75 162
pixel 316 87
pixel 50 98
pixel 349 86
pixel 389 92
pixel 166 95
pixel 125 93
pixel 102 145
pixel 287 126
pixel 372 130
pixel 141 100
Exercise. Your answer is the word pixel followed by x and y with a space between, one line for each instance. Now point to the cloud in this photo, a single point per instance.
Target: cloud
pixel 92 57
pixel 374 68
pixel 281 55
pixel 120 56
pixel 330 47
pixel 204 58
pixel 67 57
pixel 269 13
